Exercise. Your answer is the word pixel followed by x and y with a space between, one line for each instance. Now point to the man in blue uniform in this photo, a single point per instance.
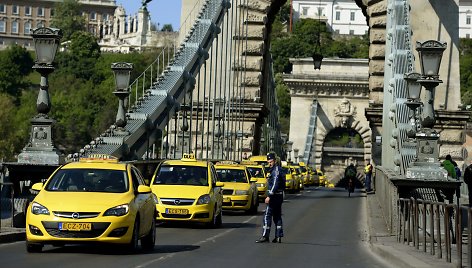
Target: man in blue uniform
pixel 274 199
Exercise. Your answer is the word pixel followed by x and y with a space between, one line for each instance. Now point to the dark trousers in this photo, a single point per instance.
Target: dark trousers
pixel 368 181
pixel 469 190
pixel 273 212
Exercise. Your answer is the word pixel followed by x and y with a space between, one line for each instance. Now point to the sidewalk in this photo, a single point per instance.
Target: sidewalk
pixel 10 234
pixel 386 246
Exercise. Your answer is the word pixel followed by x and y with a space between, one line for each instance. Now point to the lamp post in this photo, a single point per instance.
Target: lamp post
pixel 40 149
pixel 218 106
pixel 289 145
pixel 295 154
pixel 426 171
pixel 122 72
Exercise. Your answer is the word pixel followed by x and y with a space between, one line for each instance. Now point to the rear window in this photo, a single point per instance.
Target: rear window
pixel 232 175
pixel 89 180
pixel 181 175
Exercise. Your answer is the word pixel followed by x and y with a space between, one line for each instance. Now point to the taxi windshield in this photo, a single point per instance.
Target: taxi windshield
pixel 181 175
pixel 256 172
pixel 232 175
pixel 88 180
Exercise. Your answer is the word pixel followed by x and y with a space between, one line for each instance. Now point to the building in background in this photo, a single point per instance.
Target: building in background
pixel 343 17
pixel 465 18
pixel 115 30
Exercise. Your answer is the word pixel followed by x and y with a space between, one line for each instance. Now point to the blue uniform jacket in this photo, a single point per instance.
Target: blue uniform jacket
pixel 274 180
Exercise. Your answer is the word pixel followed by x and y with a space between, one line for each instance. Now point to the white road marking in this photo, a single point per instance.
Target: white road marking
pixel 210 239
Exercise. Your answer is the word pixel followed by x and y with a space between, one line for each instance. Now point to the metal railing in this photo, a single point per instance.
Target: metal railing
pixel 436 228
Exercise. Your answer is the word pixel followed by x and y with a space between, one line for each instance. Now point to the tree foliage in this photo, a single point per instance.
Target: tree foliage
pixel 167 28
pixel 465 61
pixel 15 64
pixel 68 17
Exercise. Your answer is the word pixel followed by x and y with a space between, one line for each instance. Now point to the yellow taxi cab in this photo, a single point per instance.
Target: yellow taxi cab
pixel 257 171
pixel 307 176
pixel 188 190
pixel 259 159
pixel 290 179
pixel 97 199
pixel 239 190
pixel 322 178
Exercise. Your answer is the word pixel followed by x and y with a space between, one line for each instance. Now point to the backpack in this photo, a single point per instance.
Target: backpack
pixel 458 172
pixel 351 172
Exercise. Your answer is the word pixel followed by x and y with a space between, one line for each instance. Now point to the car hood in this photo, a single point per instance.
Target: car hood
pixel 236 186
pixel 83 201
pixel 181 191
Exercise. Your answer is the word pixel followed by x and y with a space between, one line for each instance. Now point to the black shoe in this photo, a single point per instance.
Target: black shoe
pixel 262 240
pixel 277 240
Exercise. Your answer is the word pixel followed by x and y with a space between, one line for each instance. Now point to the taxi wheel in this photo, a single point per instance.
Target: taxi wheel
pixel 134 243
pixel 217 219
pixel 149 240
pixel 33 248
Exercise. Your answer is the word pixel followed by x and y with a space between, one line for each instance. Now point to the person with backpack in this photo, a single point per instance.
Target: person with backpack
pixel 274 199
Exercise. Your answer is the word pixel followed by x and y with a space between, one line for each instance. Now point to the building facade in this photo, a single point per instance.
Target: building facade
pixel 343 17
pixel 465 18
pixel 19 17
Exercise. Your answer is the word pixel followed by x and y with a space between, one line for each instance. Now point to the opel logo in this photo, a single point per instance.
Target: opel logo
pixel 75 215
pixel 177 201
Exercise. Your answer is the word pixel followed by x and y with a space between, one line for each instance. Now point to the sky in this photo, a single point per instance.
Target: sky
pixel 162 11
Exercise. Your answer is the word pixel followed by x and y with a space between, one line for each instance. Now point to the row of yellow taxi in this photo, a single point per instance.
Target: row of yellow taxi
pixel 100 199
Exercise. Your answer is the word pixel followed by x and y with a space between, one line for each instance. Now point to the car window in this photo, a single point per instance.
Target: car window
pixel 232 175
pixel 139 176
pixel 182 175
pixel 256 172
pixel 88 180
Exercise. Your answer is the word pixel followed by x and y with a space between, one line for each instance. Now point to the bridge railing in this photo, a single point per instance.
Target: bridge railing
pixel 387 195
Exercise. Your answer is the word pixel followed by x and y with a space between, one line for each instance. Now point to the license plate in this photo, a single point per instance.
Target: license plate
pixel 226 199
pixel 176 211
pixel 75 226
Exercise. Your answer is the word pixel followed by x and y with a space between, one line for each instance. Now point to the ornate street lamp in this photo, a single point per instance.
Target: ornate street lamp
pixel 40 149
pixel 295 153
pixel 413 101
pixel 430 53
pixel 219 107
pixel 122 72
pixel 317 60
pixel 289 145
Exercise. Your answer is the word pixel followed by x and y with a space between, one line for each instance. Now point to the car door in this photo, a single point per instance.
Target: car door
pixel 216 191
pixel 143 201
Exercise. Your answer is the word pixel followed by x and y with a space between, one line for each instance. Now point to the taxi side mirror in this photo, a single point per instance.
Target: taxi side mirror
pixel 219 184
pixel 253 180
pixel 143 189
pixel 37 186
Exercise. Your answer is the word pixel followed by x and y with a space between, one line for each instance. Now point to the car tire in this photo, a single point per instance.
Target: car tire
pixel 134 243
pixel 33 247
pixel 148 241
pixel 219 219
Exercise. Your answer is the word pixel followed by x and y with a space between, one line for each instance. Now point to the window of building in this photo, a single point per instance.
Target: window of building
pixel 40 11
pixel 2 26
pixel 353 16
pixel 467 20
pixel 14 27
pixel 305 11
pixel 2 8
pixel 467 36
pixel 338 15
pixel 39 24
pixel 106 17
pixel 15 9
pixel 320 11
pixel 351 32
pixel 53 11
pixel 27 27
pixel 27 10
pixel 336 31
pixel 93 16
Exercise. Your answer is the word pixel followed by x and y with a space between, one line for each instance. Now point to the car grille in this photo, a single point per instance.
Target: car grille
pixel 177 201
pixel 228 191
pixel 97 230
pixel 76 215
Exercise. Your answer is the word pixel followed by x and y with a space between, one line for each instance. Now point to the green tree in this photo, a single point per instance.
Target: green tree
pixel 167 28
pixel 465 62
pixel 15 64
pixel 68 17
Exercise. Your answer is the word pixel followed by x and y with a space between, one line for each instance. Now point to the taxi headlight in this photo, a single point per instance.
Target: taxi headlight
pixel 204 199
pixel 241 192
pixel 261 185
pixel 38 209
pixel 117 211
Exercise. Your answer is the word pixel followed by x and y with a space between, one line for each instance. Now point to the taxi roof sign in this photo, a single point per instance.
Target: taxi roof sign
pixel 188 157
pixel 99 158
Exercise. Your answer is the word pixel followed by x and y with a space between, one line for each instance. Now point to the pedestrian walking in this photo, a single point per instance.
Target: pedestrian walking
pixel 368 176
pixel 449 166
pixel 468 181
pixel 274 199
